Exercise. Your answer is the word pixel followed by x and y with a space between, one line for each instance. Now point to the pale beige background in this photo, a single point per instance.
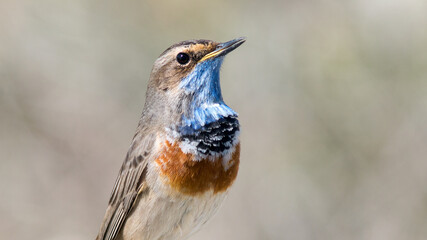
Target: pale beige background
pixel 332 97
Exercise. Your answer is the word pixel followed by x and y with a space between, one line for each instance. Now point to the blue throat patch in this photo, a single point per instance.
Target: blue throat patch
pixel 207 105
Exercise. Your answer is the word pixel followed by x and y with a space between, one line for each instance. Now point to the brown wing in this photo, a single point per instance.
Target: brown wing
pixel 129 183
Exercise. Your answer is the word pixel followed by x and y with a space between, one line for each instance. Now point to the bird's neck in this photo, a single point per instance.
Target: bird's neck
pixel 213 130
pixel 205 104
pixel 207 126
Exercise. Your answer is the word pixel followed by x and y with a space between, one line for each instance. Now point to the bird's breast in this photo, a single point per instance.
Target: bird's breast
pixel 190 174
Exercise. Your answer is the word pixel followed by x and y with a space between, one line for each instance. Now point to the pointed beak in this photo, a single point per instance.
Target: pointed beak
pixel 224 48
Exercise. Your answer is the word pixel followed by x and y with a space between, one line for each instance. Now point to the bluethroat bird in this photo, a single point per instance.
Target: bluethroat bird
pixel 185 153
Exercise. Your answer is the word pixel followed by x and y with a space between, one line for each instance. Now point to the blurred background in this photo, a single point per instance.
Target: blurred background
pixel 332 97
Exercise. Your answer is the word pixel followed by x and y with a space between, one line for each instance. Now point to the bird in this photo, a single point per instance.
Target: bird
pixel 185 154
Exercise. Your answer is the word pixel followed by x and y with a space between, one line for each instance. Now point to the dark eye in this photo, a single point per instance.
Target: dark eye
pixel 182 58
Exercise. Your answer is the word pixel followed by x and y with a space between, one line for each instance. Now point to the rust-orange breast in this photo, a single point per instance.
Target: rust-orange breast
pixel 193 177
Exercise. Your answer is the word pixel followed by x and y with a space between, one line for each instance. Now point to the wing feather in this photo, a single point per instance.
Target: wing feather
pixel 129 183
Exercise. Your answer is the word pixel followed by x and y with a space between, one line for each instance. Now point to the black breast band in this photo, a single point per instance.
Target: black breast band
pixel 215 137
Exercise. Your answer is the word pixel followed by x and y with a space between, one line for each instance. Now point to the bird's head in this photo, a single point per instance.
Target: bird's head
pixel 184 88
